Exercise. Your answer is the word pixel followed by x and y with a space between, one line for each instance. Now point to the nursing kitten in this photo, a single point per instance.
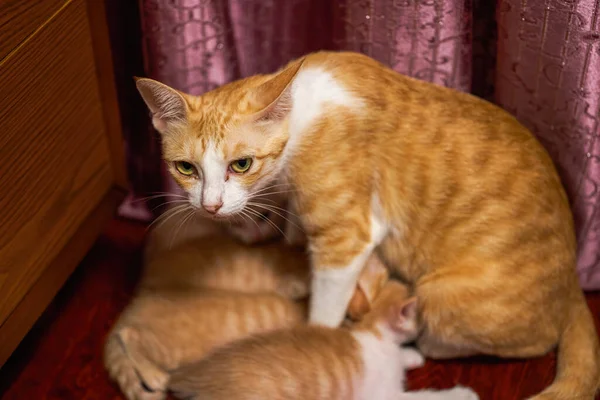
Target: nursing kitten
pixel 364 362
pixel 204 291
pixel 457 197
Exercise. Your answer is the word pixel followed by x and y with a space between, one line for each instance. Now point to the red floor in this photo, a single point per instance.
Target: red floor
pixel 61 358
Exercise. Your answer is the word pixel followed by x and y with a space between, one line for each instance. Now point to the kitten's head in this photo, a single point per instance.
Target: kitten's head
pixel 397 311
pixel 371 281
pixel 392 312
pixel 226 146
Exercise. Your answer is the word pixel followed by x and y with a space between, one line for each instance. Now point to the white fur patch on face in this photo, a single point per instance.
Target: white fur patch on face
pixel 312 89
pixel 213 187
pixel 214 172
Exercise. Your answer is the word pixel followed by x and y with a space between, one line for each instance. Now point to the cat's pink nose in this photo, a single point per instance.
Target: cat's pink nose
pixel 212 208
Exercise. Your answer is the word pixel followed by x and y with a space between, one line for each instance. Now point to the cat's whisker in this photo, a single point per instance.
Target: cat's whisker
pixel 250 218
pixel 158 195
pixel 267 207
pixel 165 215
pixel 168 215
pixel 188 219
pixel 168 212
pixel 270 201
pixel 174 214
pixel 259 215
pixel 178 201
pixel 275 207
pixel 270 193
pixel 270 187
pixel 183 221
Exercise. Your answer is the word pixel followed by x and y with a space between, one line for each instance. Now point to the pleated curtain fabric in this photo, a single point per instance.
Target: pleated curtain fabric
pixel 538 59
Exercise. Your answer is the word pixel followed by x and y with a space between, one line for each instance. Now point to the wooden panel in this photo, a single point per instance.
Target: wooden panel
pixel 20 18
pixel 54 159
pixel 108 92
pixel 36 300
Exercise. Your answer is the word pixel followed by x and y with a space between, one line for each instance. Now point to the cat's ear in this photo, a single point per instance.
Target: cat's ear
pixel 166 104
pixel 273 98
pixel 370 282
pixel 403 317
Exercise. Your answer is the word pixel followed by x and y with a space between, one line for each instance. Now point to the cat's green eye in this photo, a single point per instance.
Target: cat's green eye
pixel 240 166
pixel 185 168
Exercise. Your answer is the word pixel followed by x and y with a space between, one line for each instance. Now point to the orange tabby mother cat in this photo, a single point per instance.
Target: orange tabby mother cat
pixel 458 197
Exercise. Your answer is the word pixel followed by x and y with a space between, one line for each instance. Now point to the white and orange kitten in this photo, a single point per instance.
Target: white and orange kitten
pixel 364 362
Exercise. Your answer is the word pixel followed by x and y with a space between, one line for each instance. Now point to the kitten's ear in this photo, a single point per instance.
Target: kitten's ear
pixel 359 305
pixel 403 317
pixel 273 98
pixel 166 104
pixel 370 282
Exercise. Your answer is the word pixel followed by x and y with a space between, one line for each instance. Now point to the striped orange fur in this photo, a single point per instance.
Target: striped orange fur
pixel 206 290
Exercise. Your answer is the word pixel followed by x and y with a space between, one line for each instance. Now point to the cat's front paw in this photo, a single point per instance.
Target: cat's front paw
pixel 462 393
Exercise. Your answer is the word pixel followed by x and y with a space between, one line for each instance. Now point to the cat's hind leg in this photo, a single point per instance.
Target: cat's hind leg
pixel 472 310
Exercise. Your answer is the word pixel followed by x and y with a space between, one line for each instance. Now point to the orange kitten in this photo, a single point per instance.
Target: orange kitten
pixel 318 363
pixel 203 292
pixel 457 197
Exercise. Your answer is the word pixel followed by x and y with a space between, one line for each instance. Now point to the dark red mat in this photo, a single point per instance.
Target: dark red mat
pixel 61 357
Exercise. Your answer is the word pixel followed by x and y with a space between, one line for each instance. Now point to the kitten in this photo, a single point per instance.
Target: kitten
pixel 458 198
pixel 364 362
pixel 203 291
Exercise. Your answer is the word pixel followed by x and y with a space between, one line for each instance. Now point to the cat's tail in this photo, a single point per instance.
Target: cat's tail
pixel 578 360
pixel 122 369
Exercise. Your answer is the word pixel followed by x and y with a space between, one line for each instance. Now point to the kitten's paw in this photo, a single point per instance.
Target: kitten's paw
pixel 153 378
pixel 462 393
pixel 142 393
pixel 412 358
pixel 122 371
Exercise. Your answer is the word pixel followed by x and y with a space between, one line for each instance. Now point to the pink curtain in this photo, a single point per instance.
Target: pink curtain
pixel 539 59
